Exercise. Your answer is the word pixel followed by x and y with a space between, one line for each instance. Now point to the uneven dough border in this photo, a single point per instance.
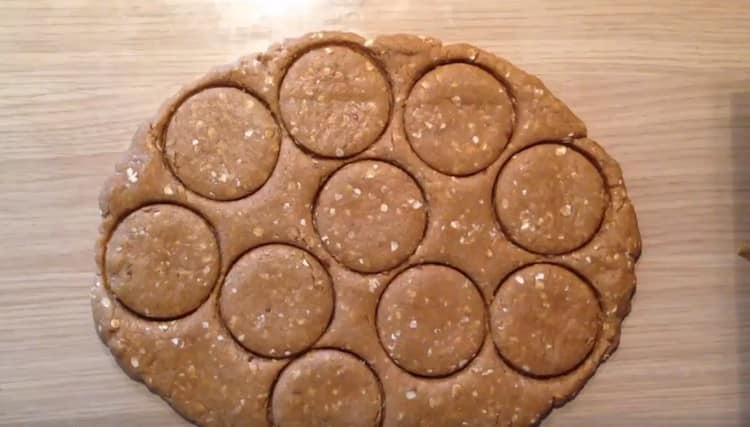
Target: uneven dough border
pixel 250 74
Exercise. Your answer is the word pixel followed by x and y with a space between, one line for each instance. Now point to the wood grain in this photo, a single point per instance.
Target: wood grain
pixel 665 86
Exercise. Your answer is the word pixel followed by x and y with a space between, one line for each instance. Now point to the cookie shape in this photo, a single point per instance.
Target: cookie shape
pixel 324 388
pixel 550 199
pixel 351 232
pixel 545 319
pixel 335 101
pixel 222 143
pixel 370 215
pixel 458 118
pixel 431 320
pixel 162 261
pixel 277 300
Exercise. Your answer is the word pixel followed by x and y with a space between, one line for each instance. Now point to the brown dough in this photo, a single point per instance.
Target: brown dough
pixel 335 101
pixel 431 320
pixel 550 199
pixel 162 261
pixel 458 118
pixel 544 319
pixel 371 216
pixel 327 388
pixel 388 232
pixel 277 300
pixel 222 143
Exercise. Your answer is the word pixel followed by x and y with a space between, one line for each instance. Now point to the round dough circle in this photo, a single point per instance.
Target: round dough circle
pixel 544 320
pixel 371 216
pixel 222 143
pixel 458 119
pixel 162 261
pixel 277 300
pixel 326 388
pixel 550 199
pixel 431 320
pixel 335 101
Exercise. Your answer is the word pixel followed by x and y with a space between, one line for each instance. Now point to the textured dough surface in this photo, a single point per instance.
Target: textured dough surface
pixel 351 232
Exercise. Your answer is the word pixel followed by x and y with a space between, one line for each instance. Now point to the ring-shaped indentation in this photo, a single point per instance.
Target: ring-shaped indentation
pixel 335 101
pixel 545 320
pixel 431 320
pixel 222 143
pixel 550 199
pixel 326 387
pixel 458 118
pixel 162 261
pixel 277 300
pixel 371 215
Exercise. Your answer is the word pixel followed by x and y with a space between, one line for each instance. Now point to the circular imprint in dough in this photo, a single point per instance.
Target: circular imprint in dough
pixel 222 143
pixel 371 216
pixel 335 101
pixel 544 320
pixel 550 199
pixel 277 300
pixel 458 119
pixel 431 320
pixel 162 261
pixel 326 388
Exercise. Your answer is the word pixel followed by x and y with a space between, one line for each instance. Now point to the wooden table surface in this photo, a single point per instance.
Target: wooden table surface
pixel 664 86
